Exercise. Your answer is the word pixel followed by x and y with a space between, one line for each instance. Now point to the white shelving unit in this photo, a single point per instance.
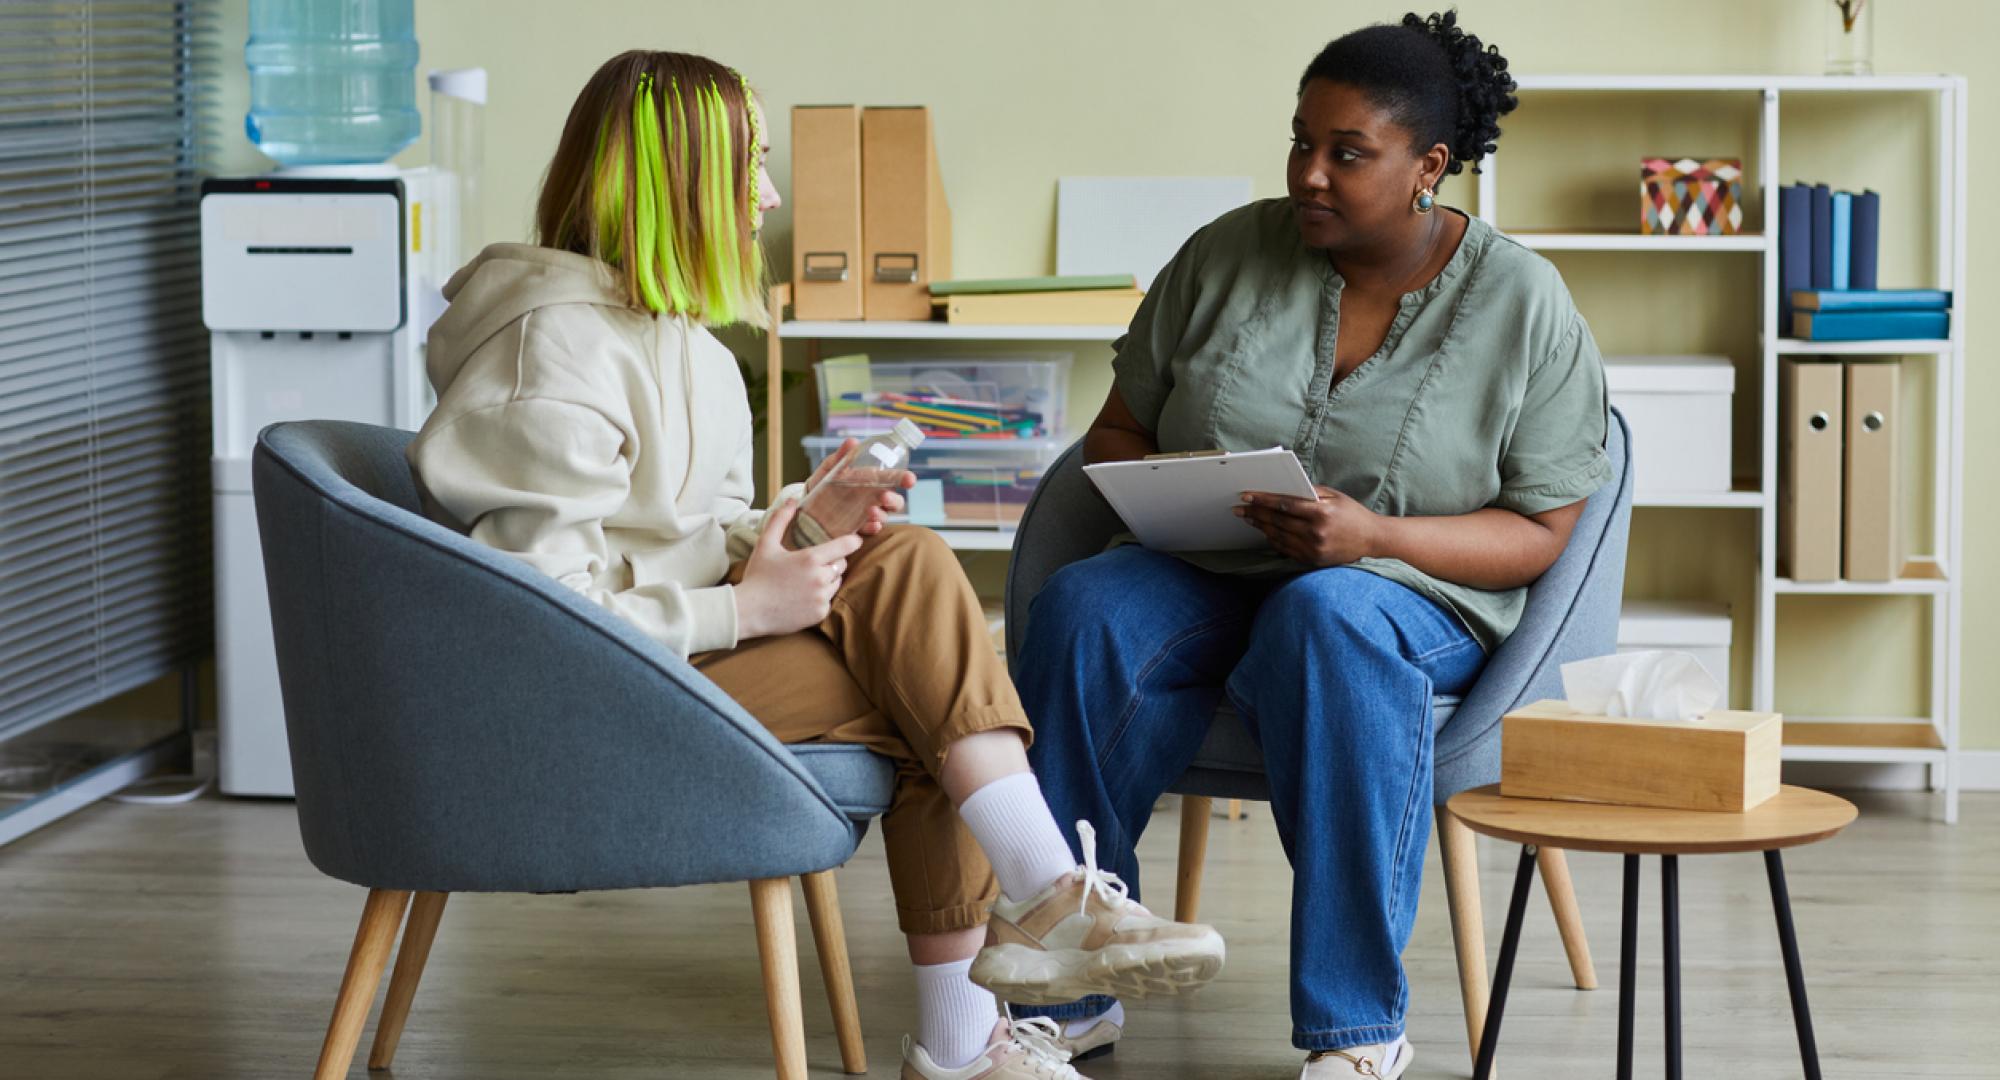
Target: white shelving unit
pixel 1933 740
pixel 812 333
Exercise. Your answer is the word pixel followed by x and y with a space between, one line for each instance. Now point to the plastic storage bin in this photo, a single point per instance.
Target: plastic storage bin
pixel 966 483
pixel 1701 630
pixel 1679 409
pixel 981 401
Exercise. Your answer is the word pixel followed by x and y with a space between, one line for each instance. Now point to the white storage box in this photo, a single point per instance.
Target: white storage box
pixel 1701 630
pixel 1002 400
pixel 966 483
pixel 1679 410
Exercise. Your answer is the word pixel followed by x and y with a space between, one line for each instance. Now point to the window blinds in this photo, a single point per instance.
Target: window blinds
pixel 104 430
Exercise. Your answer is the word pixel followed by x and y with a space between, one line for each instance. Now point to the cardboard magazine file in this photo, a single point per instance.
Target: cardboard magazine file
pixel 905 223
pixel 826 212
pixel 1722 760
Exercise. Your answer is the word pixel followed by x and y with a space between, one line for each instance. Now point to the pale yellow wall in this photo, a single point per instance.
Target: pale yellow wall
pixel 1030 90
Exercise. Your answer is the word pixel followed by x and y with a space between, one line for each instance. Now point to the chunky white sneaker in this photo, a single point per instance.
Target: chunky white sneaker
pixel 1020 1050
pixel 1083 935
pixel 1385 1061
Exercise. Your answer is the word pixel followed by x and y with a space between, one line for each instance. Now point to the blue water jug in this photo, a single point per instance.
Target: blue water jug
pixel 332 81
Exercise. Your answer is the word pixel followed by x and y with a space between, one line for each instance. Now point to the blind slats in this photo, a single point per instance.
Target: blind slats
pixel 104 533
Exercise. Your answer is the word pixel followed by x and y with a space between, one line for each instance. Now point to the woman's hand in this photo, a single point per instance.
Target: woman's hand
pixel 1334 531
pixel 783 591
pixel 891 501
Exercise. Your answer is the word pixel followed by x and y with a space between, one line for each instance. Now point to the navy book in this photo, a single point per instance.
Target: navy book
pixel 1866 236
pixel 1822 237
pixel 1869 325
pixel 1871 300
pixel 1795 240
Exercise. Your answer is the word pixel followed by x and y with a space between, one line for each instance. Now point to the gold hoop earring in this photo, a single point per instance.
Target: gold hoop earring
pixel 1425 200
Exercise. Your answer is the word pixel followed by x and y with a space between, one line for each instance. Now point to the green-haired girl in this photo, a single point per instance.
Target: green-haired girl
pixel 589 424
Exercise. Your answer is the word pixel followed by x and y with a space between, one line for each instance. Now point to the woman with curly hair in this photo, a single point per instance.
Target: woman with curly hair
pixel 1442 391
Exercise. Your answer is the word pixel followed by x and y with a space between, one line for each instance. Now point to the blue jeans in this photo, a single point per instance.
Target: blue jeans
pixel 1126 657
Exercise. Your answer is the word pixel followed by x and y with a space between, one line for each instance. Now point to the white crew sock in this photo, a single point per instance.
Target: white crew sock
pixel 1115 1014
pixel 1012 823
pixel 954 1018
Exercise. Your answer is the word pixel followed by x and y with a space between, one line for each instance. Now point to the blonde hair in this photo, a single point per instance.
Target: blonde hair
pixel 656 176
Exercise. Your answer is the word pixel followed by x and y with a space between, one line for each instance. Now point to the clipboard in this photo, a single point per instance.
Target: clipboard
pixel 1183 502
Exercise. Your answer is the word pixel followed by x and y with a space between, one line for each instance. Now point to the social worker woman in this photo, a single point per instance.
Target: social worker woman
pixel 1448 401
pixel 589 424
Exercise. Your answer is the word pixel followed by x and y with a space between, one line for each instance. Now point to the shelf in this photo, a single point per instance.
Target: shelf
pixel 1920 577
pixel 1863 739
pixel 978 539
pixel 1916 347
pixel 1745 496
pixel 939 331
pixel 1859 83
pixel 1591 241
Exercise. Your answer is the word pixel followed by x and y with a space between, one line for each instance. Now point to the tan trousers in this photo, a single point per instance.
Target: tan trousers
pixel 904 666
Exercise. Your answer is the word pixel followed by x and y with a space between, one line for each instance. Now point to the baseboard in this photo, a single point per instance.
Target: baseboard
pixel 1979 770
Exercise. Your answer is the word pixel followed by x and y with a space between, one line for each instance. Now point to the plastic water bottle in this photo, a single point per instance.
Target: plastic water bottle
pixel 838 505
pixel 332 82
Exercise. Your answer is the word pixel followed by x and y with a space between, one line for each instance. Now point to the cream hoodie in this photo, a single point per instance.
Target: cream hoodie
pixel 604 446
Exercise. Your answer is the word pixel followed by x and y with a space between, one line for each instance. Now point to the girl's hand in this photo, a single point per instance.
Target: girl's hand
pixel 784 590
pixel 1332 531
pixel 891 501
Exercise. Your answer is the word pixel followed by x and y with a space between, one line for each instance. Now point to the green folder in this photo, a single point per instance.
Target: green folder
pixel 1072 283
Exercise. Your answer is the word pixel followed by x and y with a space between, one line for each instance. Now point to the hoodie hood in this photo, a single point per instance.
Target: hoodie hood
pixel 500 285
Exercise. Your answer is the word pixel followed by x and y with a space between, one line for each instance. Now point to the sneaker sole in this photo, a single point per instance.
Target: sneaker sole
pixel 1027 976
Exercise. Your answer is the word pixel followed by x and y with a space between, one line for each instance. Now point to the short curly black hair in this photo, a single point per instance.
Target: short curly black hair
pixel 1435 79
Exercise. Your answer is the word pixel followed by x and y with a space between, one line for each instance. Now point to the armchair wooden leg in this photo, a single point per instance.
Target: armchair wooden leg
pixel 425 911
pixel 1194 855
pixel 373 940
pixel 777 948
pixel 830 936
pixel 1468 926
pixel 1569 917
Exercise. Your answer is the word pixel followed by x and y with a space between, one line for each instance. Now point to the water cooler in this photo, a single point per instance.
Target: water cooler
pixel 319 283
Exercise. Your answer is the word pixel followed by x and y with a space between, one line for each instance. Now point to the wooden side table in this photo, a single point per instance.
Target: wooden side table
pixel 1796 816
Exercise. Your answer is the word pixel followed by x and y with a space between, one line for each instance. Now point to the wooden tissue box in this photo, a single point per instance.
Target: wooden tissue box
pixel 1724 760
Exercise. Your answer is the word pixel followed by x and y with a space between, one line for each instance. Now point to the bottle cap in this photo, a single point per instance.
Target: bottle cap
pixel 910 433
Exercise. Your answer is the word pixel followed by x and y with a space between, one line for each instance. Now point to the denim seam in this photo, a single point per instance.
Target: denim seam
pixel 1410 799
pixel 1342 1038
pixel 1125 715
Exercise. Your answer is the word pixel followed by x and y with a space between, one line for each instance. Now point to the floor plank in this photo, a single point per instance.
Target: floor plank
pixel 196 943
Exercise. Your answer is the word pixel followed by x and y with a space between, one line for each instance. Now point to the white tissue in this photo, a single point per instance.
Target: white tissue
pixel 1655 685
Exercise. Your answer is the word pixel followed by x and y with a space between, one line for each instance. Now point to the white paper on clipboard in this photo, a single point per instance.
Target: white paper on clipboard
pixel 1186 504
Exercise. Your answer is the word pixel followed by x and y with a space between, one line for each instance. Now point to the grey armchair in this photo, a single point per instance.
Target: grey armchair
pixel 1572 613
pixel 461 723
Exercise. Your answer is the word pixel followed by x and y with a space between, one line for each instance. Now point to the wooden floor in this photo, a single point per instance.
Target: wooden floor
pixel 144 943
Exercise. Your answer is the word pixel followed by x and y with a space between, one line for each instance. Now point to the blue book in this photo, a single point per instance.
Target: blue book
pixel 1822 237
pixel 1870 325
pixel 1843 236
pixel 1795 246
pixel 1872 300
pixel 1867 230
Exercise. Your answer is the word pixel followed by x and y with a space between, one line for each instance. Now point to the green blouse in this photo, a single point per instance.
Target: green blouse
pixel 1488 390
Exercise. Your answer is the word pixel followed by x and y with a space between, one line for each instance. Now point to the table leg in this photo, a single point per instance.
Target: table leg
pixel 1670 935
pixel 1510 940
pixel 1628 966
pixel 1795 977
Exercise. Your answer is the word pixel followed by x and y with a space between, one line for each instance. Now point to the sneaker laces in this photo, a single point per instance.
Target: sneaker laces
pixel 1106 885
pixel 1042 1038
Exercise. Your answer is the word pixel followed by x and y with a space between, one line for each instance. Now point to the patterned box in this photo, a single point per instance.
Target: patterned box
pixel 1691 198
